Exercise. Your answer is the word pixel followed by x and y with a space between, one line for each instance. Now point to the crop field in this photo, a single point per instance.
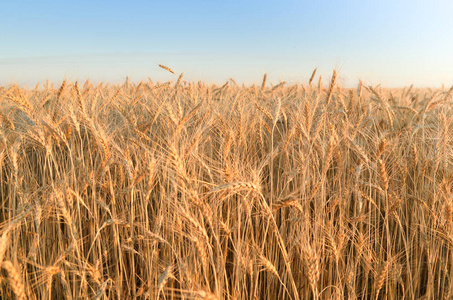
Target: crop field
pixel 184 190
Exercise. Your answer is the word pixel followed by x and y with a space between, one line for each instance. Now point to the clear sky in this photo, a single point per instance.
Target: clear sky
pixel 394 43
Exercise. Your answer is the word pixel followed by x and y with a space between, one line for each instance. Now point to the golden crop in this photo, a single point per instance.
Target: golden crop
pixel 183 190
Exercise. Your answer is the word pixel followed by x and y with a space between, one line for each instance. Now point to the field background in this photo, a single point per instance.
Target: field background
pixel 184 190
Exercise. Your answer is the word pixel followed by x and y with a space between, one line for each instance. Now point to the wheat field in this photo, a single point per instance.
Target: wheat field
pixel 185 190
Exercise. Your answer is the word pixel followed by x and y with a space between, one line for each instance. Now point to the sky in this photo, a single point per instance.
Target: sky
pixel 394 43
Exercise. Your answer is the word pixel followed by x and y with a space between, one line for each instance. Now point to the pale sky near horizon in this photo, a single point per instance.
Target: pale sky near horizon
pixel 393 43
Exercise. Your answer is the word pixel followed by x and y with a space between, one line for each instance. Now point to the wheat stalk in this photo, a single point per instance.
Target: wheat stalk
pixel 264 111
pixel 263 84
pixel 332 86
pixel 15 279
pixel 166 274
pixel 384 175
pixel 281 84
pixel 168 69
pixel 61 90
pixel 277 111
pixel 381 277
pixel 312 76
pixel 4 242
pixel 314 271
pixel 179 79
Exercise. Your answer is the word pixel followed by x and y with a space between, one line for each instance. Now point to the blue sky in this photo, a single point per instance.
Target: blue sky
pixel 394 43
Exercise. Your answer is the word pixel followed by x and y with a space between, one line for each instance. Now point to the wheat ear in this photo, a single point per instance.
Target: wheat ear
pixel 168 69
pixel 312 76
pixel 15 279
pixel 380 278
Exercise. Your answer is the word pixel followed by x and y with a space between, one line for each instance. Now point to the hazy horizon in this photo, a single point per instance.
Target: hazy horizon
pixel 394 44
